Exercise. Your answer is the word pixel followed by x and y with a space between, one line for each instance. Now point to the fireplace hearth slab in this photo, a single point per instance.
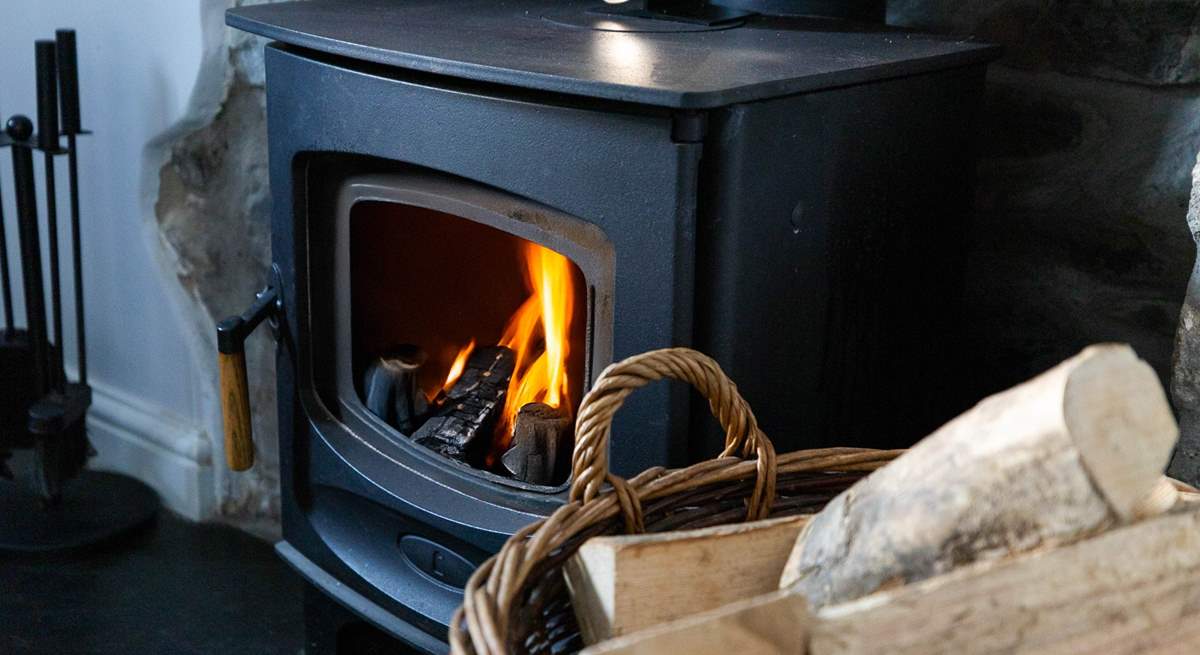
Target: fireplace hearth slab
pixel 515 43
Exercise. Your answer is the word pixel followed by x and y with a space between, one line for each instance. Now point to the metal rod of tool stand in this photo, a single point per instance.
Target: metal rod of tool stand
pixel 72 125
pixel 20 129
pixel 48 143
pixel 5 276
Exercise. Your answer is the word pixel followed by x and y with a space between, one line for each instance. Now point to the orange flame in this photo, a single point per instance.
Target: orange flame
pixel 460 363
pixel 538 333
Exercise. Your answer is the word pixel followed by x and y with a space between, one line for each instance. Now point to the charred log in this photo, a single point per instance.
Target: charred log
pixel 465 422
pixel 391 391
pixel 538 447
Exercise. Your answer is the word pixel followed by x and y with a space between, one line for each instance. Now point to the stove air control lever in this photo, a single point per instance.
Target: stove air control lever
pixel 235 391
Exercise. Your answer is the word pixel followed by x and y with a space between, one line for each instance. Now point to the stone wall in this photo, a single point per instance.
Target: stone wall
pixel 213 212
pixel 1186 381
pixel 1090 134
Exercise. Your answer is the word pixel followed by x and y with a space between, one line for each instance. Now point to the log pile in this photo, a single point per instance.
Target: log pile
pixel 459 423
pixel 1037 522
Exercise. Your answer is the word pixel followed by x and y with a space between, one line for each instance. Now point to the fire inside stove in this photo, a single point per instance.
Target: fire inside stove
pixel 468 340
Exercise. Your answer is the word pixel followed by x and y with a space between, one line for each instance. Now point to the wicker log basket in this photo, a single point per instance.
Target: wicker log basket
pixel 517 601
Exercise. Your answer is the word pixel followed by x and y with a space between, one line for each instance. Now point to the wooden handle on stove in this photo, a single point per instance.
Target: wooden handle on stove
pixel 235 408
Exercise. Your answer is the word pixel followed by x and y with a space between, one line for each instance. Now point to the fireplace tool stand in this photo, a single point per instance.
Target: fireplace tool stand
pixel 48 502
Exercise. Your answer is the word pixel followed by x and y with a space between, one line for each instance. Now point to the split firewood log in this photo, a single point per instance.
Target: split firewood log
pixel 623 584
pixel 1078 449
pixel 775 623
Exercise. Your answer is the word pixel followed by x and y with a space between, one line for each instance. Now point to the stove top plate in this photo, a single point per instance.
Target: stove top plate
pixel 527 44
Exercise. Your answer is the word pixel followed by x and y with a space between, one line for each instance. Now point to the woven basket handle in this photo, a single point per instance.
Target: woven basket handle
pixel 589 464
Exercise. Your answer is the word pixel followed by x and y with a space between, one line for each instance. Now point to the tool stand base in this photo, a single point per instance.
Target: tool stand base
pixel 96 509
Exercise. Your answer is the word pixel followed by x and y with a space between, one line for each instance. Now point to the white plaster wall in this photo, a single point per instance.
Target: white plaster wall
pixel 149 69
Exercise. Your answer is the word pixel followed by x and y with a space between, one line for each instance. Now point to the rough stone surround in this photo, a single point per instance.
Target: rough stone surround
pixel 213 212
pixel 1152 42
pixel 1185 383
pixel 1091 133
pixel 1089 137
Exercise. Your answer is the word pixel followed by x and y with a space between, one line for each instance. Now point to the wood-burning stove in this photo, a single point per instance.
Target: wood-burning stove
pixel 788 194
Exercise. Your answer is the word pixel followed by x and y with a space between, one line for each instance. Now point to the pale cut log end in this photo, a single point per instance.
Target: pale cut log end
pixel 589 574
pixel 1162 498
pixel 1117 414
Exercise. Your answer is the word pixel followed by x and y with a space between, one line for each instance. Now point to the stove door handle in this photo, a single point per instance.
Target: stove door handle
pixel 235 387
pixel 235 410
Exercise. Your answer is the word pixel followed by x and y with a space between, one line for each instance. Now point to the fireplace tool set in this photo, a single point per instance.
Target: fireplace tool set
pixel 42 412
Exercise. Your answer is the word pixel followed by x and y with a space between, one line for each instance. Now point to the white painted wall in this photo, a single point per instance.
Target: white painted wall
pixel 146 70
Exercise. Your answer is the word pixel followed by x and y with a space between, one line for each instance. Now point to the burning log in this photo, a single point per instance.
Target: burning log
pixel 391 391
pixel 536 453
pixel 472 405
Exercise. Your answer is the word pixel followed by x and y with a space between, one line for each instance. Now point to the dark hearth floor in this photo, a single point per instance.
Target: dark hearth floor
pixel 177 587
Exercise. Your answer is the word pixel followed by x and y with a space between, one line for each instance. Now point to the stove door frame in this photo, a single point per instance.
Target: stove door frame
pixel 583 243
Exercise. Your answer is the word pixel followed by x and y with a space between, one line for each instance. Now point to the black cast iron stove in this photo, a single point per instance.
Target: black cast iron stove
pixel 788 194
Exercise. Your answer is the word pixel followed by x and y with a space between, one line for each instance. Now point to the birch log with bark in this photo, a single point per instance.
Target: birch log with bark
pixel 1065 455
